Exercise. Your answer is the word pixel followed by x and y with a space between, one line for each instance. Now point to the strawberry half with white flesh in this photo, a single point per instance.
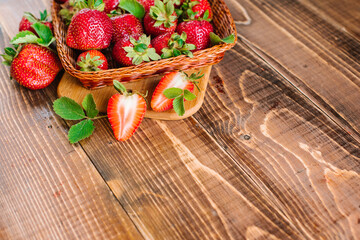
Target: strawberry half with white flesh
pixel 172 90
pixel 125 111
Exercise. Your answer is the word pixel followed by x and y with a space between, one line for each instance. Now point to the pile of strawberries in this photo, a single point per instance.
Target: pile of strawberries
pixel 137 31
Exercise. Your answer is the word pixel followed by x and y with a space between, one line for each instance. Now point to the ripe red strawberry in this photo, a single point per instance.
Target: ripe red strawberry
pixel 178 80
pixel 126 25
pixel 89 29
pixel 125 112
pixel 198 33
pixel 195 9
pixel 92 60
pixel 133 50
pixel 160 19
pixel 172 45
pixel 34 67
pixel 147 4
pixel 29 19
pixel 110 5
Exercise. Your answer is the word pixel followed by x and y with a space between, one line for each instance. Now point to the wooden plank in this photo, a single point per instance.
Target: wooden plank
pixel 342 14
pixel 49 189
pixel 71 87
pixel 286 145
pixel 314 55
pixel 257 161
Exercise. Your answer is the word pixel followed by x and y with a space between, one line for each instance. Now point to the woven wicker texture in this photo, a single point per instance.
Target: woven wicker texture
pixel 223 26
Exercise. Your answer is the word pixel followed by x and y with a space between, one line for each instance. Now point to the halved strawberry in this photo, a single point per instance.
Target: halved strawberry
pixel 125 112
pixel 177 81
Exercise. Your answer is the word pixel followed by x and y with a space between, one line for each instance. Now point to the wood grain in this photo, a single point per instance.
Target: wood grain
pixel 257 161
pixel 72 88
pixel 313 54
pixel 49 189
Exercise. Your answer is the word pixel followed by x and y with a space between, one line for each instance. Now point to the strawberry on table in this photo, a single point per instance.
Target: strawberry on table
pixel 90 28
pixel 32 63
pixel 125 112
pixel 134 50
pixel 198 32
pixel 172 45
pixel 160 19
pixel 29 19
pixel 172 90
pixel 92 60
pixel 126 25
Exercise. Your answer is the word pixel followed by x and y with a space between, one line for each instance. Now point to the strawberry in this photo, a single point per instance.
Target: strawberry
pixel 174 86
pixel 147 4
pixel 160 19
pixel 110 5
pixel 172 45
pixel 125 112
pixel 133 50
pixel 29 19
pixel 89 29
pixel 198 32
pixel 126 25
pixel 34 66
pixel 92 60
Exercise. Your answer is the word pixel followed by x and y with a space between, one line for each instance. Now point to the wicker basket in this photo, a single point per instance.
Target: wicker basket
pixel 223 26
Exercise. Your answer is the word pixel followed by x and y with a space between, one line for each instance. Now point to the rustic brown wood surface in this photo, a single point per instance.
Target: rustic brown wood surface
pixel 274 152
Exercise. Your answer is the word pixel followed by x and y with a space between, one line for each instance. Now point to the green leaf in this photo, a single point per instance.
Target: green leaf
pixel 90 106
pixel 133 7
pixel 178 105
pixel 68 109
pixel 44 33
pixel 43 15
pixel 119 87
pixel 7 57
pixel 24 37
pixel 152 54
pixel 189 95
pixel 81 130
pixel 140 47
pixel 10 51
pixel 30 17
pixel 215 39
pixel 171 93
pixel 6 63
pixel 229 39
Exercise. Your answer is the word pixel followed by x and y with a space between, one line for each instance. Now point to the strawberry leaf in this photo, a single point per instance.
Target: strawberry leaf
pixel 189 96
pixel 215 39
pixel 43 15
pixel 45 34
pixel 133 7
pixel 30 17
pixel 81 130
pixel 24 37
pixel 90 106
pixel 68 109
pixel 171 93
pixel 10 51
pixel 178 105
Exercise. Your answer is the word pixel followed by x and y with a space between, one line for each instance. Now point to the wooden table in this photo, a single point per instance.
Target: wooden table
pixel 272 154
